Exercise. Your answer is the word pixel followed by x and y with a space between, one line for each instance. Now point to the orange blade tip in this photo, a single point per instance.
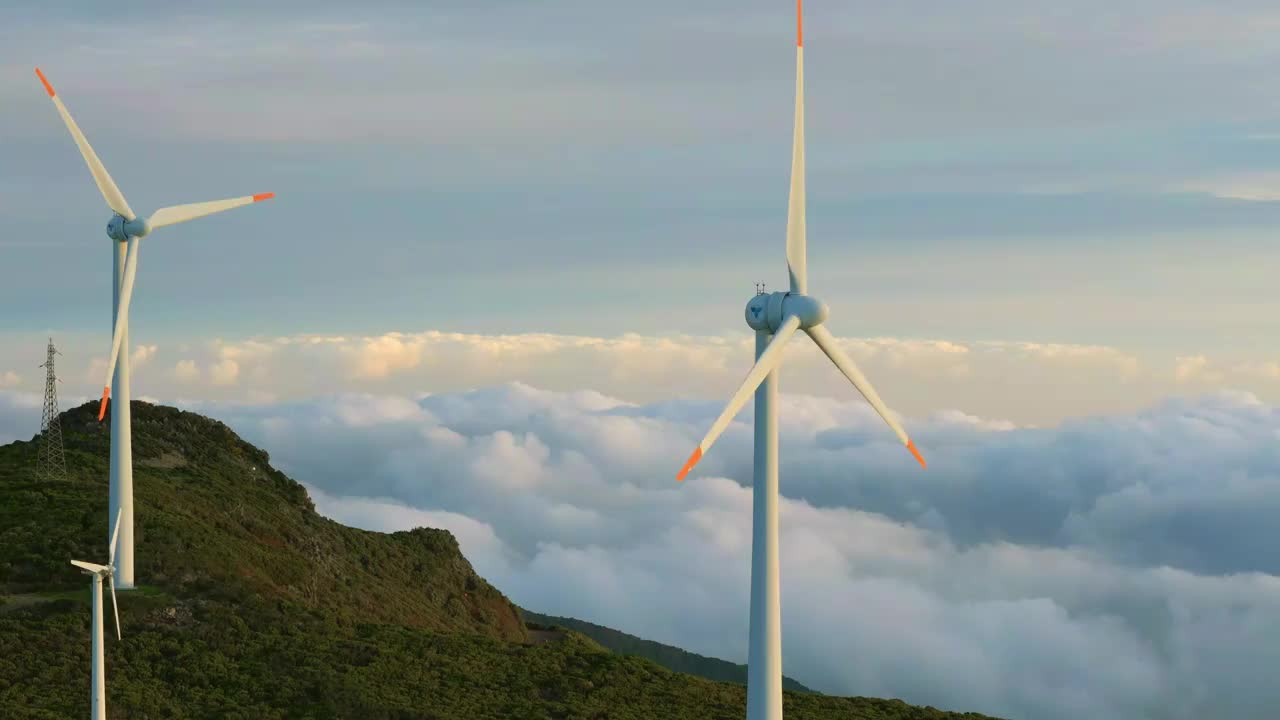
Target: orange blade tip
pixel 693 460
pixel 44 81
pixel 799 23
pixel 102 409
pixel 263 196
pixel 911 445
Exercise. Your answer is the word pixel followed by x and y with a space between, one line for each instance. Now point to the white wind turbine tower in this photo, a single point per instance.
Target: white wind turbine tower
pixel 125 229
pixel 98 683
pixel 776 317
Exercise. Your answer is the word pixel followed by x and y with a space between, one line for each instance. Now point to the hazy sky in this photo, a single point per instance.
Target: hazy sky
pixel 1079 173
pixel 1006 172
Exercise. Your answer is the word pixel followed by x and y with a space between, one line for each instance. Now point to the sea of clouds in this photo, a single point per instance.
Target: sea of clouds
pixel 1112 567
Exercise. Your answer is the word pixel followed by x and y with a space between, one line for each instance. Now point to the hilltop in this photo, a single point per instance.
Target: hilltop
pixel 252 605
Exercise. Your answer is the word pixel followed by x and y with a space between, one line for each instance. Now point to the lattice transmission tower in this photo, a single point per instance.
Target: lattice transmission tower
pixel 51 463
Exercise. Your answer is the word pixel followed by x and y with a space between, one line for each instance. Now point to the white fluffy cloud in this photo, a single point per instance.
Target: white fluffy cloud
pixel 142 354
pixel 1109 568
pixel 1024 382
pixel 186 371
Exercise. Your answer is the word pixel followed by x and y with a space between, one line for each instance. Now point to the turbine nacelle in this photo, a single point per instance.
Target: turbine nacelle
pixel 766 313
pixel 86 568
pixel 120 229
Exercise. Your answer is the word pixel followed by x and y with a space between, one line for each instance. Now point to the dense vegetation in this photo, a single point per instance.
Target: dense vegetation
pixel 253 606
pixel 667 656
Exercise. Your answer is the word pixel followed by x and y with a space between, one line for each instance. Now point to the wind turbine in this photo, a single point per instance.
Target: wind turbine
pixel 776 317
pixel 126 229
pixel 98 685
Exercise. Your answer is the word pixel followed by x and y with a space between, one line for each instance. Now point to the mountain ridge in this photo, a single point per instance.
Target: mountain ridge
pixel 668 656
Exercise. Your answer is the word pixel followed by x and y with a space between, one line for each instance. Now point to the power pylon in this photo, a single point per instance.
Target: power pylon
pixel 51 464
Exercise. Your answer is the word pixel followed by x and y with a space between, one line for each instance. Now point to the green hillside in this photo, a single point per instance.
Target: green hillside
pixel 255 607
pixel 667 656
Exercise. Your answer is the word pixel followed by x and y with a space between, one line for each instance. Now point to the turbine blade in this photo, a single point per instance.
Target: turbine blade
pixel 182 213
pixel 107 186
pixel 768 361
pixel 827 342
pixel 796 250
pixel 114 609
pixel 88 566
pixel 122 322
pixel 115 535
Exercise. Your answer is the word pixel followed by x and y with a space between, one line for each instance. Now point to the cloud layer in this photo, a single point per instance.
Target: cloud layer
pixel 1023 382
pixel 1108 568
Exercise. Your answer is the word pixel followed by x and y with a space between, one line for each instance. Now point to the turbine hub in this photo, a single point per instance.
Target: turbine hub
pixel 766 312
pixel 121 230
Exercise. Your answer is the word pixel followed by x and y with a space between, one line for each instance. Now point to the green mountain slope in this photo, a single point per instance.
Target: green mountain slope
pixel 253 606
pixel 672 658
